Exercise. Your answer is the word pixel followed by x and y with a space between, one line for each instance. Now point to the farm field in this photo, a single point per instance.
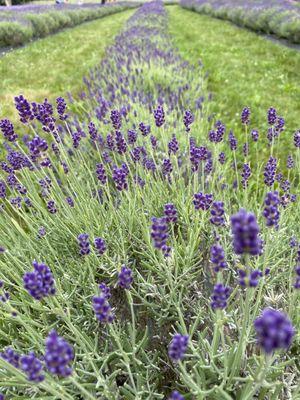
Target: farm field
pixel 149 211
pixel 55 64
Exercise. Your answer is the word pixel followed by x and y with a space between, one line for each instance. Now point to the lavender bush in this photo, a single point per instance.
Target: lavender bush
pixel 132 268
pixel 20 24
pixel 278 17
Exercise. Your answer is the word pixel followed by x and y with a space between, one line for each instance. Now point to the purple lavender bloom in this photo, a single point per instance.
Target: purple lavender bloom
pixel 105 290
pixel 58 355
pixel 170 213
pixel 197 154
pixel 2 190
pixel 175 396
pixel 70 201
pixel 272 116
pixel 274 330
pixel 110 142
pixel 220 131
pixel 246 173
pixel 271 211
pixel 254 135
pixel 32 367
pixel 76 137
pixel 92 131
pixel 2 396
pixel 245 149
pixel 222 158
pixel 132 136
pixel 84 244
pixel 24 109
pixel 290 162
pixel 173 145
pixel 102 308
pixel 279 125
pixel 159 234
pixel 202 201
pixel 245 116
pixel 249 279
pixel 217 257
pixel 61 107
pixel 296 139
pixel 116 119
pixel 125 277
pixel 188 119
pixel 217 213
pixel 36 146
pixel 220 296
pixel 17 160
pixel 100 245
pixel 270 171
pixel 120 177
pixel 16 201
pixel 232 141
pixel 145 129
pixel 153 141
pixel 120 143
pixel 101 174
pixel 208 166
pixel 51 207
pixel 10 356
pixel 245 232
pixel 285 185
pixel 167 167
pixel 177 347
pixel 41 232
pixel 39 283
pixel 159 116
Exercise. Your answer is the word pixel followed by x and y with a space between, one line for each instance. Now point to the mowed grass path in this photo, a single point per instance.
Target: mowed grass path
pixel 55 65
pixel 244 68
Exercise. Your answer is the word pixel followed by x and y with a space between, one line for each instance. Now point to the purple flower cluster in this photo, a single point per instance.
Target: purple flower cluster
pixel 217 257
pixel 271 210
pixel 100 245
pixel 220 296
pixel 40 282
pixel 245 233
pixel 170 213
pixel 177 347
pixel 58 355
pixel 202 201
pixel 160 235
pixel 102 308
pixel 217 213
pixel 270 171
pixel 125 277
pixel 274 330
pixel 249 278
pixel 84 244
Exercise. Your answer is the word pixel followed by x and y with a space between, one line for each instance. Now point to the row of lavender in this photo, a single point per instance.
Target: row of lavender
pixel 20 24
pixel 165 252
pixel 278 17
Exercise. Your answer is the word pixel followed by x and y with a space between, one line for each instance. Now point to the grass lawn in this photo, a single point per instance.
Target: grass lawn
pixel 55 65
pixel 245 69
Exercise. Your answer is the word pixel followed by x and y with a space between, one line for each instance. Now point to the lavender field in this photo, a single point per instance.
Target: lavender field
pixel 278 17
pixel 147 250
pixel 23 23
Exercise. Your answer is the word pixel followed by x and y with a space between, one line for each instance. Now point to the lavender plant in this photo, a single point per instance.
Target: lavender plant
pixel 165 278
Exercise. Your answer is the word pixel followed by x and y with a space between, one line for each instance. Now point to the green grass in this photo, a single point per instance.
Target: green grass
pixel 244 68
pixel 55 65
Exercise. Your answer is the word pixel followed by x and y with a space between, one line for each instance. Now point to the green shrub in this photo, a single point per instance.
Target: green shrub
pixel 14 34
pixel 44 24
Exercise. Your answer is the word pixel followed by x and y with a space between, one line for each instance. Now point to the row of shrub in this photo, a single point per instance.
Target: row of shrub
pixel 18 29
pixel 280 18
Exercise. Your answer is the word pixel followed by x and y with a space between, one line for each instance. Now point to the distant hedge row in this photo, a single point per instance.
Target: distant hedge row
pixel 277 17
pixel 20 26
